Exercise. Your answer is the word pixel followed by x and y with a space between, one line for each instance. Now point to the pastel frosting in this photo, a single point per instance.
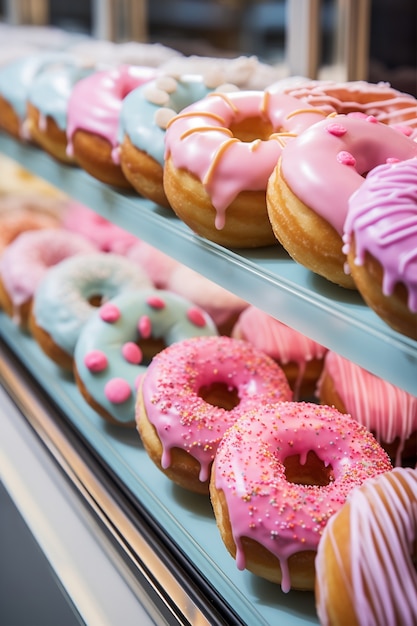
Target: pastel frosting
pixel 63 299
pixel 96 101
pixel 26 260
pixel 199 139
pixel 382 217
pixel 282 516
pixel 108 360
pixel 327 163
pixel 374 559
pixel 182 417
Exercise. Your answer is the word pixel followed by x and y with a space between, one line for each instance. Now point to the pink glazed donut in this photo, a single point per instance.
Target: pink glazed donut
pixel 192 392
pixel 280 473
pixel 308 193
pixel 93 120
pixel 220 152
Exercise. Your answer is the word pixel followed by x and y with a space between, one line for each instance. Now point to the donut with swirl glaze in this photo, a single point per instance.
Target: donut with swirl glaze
pixel 93 120
pixel 119 340
pixel 219 154
pixel 389 412
pixel 309 190
pixel 365 561
pixel 279 475
pixel 69 294
pixel 192 392
pixel 380 235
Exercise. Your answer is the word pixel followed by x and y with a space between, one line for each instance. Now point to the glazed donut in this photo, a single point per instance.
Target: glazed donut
pixel 26 260
pixel 108 237
pixel 386 410
pixel 365 571
pixel 219 154
pixel 301 358
pixel 19 214
pixel 380 235
pixel 17 181
pixel 280 473
pixel 191 393
pixel 223 306
pixel 93 117
pixel 15 80
pixel 118 341
pixel 387 104
pixel 309 190
pixel 145 114
pixel 70 292
pixel 47 106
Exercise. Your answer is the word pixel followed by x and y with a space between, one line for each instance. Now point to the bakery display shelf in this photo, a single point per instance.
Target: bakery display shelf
pixel 185 518
pixel 267 278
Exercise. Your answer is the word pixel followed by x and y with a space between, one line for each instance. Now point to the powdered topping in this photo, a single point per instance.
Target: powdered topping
pixel 200 141
pixel 386 410
pixel 286 517
pixel 383 219
pixel 172 400
pixel 382 580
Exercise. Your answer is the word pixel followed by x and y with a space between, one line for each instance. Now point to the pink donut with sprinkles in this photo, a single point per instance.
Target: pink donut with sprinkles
pixel 192 392
pixel 117 343
pixel 308 192
pixel 280 473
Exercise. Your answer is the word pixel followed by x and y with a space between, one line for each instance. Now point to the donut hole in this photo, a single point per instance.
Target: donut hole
pixel 312 472
pixel 95 300
pixel 150 347
pixel 220 395
pixel 252 128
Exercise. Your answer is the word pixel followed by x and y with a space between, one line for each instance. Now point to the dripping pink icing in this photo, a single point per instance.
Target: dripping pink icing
pixel 199 140
pixel 279 341
pixel 175 376
pixel 382 523
pixel 95 102
pixel 383 219
pixel 285 517
pixel 386 410
pixel 311 167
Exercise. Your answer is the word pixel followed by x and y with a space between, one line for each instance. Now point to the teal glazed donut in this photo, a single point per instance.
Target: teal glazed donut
pixel 69 294
pixel 108 359
pixel 145 114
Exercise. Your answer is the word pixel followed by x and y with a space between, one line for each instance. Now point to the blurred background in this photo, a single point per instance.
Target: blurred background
pixel 383 31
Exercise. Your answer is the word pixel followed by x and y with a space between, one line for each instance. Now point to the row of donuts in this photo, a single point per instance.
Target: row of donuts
pixel 74 289
pixel 259 379
pixel 214 153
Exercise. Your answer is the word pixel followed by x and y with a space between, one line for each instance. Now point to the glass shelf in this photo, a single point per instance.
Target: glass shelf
pixel 267 278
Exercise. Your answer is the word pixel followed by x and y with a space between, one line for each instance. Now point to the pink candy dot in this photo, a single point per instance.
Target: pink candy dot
pixel 95 361
pixel 117 390
pixel 391 160
pixel 405 130
pixel 155 302
pixel 336 129
pixel 196 317
pixel 145 327
pixel 109 313
pixel 372 119
pixel 132 353
pixel 345 158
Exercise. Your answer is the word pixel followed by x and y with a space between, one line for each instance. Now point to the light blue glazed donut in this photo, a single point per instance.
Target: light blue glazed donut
pixel 62 302
pixel 108 360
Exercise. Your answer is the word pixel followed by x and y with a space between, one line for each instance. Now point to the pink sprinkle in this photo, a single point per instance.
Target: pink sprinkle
pixel 336 129
pixel 345 158
pixel 392 160
pixel 117 390
pixel 372 119
pixel 132 353
pixel 155 302
pixel 109 313
pixel 405 130
pixel 145 327
pixel 95 361
pixel 196 317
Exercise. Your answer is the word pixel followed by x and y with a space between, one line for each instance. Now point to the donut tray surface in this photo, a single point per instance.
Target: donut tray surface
pixel 187 519
pixel 267 277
